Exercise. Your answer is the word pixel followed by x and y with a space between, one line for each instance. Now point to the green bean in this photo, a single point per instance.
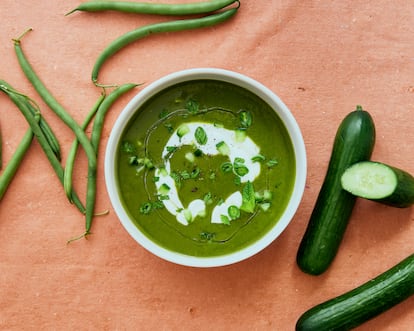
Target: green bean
pixel 49 134
pixel 103 109
pixel 154 8
pixel 171 26
pixel 22 104
pixel 1 150
pixel 15 161
pixel 70 160
pixel 95 137
pixel 55 106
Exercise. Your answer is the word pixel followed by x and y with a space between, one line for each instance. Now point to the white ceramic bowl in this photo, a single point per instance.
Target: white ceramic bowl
pixel 227 76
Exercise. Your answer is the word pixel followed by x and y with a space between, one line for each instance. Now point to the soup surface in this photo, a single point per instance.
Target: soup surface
pixel 205 168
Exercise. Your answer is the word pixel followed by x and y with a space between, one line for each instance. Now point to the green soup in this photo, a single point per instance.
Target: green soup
pixel 205 168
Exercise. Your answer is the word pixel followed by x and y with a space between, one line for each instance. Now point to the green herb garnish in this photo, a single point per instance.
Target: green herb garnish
pixel 248 198
pixel 200 135
pixel 234 212
pixel 245 119
pixel 258 158
pixel 224 219
pixel 207 236
pixel 226 167
pixel 192 106
pixel 271 163
pixel 145 208
pixel 128 147
pixel 208 198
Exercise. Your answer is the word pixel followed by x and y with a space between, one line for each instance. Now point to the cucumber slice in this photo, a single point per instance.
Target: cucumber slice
pixel 379 182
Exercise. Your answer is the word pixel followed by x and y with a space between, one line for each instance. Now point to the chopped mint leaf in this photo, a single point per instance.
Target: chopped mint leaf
pixel 192 106
pixel 185 174
pixel 207 236
pixel 200 135
pixel 198 152
pixel 171 149
pixel 133 160
pixel 248 198
pixel 271 163
pixel 148 163
pixel 224 219
pixel 245 119
pixel 163 113
pixel 169 127
pixel 128 147
pixel 208 198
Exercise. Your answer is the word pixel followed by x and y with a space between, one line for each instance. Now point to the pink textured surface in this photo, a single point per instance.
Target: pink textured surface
pixel 321 57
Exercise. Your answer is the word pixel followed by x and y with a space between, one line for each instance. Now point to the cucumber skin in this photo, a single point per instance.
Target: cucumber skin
pixel 354 142
pixel 403 196
pixel 359 305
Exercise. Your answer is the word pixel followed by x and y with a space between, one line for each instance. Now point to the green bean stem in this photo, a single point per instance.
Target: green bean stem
pixel 15 161
pixel 171 26
pixel 22 104
pixel 67 119
pixel 154 8
pixel 70 160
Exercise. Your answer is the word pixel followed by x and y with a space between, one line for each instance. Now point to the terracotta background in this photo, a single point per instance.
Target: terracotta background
pixel 321 57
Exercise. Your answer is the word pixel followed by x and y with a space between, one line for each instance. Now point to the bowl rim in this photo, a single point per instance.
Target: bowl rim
pixel 234 78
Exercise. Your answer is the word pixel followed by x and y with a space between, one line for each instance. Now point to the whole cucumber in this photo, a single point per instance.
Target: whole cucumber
pixel 359 305
pixel 354 142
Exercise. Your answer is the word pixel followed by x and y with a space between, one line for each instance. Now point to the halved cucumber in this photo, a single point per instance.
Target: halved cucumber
pixel 379 182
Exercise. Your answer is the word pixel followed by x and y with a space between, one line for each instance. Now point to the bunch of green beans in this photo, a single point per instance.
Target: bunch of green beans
pixel 24 104
pixel 90 146
pixel 55 106
pixel 158 9
pixel 40 129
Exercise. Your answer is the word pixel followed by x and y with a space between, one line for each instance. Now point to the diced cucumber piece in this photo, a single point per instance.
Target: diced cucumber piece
pixel 223 148
pixel 182 130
